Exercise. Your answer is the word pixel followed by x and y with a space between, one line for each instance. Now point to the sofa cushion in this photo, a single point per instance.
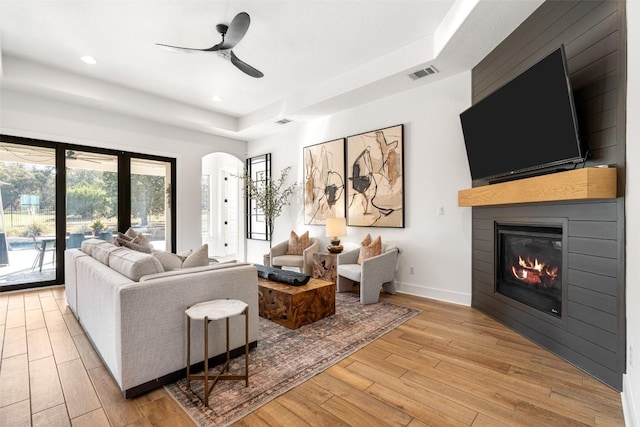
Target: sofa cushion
pixel 88 244
pixel 288 260
pixel 98 249
pixel 350 271
pixel 134 264
pixel 102 250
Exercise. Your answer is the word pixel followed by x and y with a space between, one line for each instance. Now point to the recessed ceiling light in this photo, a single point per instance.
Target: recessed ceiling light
pixel 216 98
pixel 88 59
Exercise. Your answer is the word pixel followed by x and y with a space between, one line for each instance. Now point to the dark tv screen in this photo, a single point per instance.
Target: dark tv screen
pixel 528 124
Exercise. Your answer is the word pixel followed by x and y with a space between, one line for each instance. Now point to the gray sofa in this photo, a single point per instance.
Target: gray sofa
pixel 133 311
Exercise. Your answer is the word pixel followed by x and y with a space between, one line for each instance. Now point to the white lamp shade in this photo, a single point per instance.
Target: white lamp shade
pixel 336 227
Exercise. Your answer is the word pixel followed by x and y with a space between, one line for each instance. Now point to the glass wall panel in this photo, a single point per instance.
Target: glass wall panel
pixel 53 196
pixel 151 201
pixel 92 196
pixel 27 215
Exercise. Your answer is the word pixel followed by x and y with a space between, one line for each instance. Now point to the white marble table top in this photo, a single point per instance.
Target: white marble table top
pixel 216 309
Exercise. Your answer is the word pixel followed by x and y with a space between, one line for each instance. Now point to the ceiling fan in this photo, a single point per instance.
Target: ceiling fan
pixel 231 36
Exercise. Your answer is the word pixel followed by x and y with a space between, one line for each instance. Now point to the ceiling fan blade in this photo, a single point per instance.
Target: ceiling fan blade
pixel 236 31
pixel 187 49
pixel 244 67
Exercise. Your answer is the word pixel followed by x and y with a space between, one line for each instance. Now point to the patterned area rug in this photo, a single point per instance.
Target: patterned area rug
pixel 285 358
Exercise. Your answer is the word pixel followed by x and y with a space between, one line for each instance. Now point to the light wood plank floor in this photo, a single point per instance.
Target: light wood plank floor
pixel 448 366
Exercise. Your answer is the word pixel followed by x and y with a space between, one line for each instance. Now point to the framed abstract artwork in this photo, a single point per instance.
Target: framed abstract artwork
pixel 375 178
pixel 324 183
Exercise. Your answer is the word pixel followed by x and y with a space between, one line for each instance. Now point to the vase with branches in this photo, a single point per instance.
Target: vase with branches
pixel 270 196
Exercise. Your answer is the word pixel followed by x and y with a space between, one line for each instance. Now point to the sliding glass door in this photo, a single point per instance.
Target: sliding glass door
pixel 27 214
pixel 151 200
pixel 55 195
pixel 92 196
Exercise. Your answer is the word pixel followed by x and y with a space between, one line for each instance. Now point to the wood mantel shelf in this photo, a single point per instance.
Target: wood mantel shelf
pixel 579 184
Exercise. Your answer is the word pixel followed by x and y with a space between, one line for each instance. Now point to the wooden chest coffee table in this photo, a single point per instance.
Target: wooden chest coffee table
pixel 295 306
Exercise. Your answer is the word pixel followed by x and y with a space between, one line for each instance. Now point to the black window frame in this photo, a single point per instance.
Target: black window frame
pixel 124 195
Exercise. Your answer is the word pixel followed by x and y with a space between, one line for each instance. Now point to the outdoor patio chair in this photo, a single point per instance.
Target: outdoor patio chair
pixel 42 247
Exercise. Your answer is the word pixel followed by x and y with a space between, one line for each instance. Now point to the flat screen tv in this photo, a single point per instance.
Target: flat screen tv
pixel 527 126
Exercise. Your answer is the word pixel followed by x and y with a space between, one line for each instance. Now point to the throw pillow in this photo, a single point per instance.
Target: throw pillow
pixel 124 236
pixel 369 251
pixel 168 260
pixel 131 232
pixel 132 245
pixel 186 253
pixel 297 245
pixel 142 241
pixel 365 242
pixel 199 257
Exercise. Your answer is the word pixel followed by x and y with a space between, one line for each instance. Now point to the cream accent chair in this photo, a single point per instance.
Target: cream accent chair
pixel 373 274
pixel 279 258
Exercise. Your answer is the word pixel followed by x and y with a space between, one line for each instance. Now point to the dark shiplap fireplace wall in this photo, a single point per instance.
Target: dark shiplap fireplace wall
pixel 591 333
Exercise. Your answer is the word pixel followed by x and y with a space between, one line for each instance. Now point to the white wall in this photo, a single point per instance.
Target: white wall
pixel 631 385
pixel 35 117
pixel 435 167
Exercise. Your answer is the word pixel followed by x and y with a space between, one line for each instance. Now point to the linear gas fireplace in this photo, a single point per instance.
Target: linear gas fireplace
pixel 529 266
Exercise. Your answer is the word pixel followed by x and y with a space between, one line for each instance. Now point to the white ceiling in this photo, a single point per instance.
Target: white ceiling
pixel 318 57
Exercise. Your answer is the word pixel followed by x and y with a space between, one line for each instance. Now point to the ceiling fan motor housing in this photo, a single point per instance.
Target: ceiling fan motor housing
pixel 222 29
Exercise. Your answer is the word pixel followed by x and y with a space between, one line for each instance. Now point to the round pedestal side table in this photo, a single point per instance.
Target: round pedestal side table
pixel 209 311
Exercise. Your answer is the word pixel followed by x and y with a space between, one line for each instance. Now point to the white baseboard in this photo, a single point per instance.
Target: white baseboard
pixel 629 404
pixel 434 293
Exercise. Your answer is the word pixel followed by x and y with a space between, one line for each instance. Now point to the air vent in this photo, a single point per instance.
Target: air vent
pixel 423 73
pixel 283 121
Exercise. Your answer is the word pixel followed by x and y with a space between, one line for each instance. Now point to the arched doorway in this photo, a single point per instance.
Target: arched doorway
pixel 222 207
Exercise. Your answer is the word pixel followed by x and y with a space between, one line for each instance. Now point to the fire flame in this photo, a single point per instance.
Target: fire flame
pixel 534 272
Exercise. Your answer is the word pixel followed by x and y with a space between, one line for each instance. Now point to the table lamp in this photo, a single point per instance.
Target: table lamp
pixel 336 227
